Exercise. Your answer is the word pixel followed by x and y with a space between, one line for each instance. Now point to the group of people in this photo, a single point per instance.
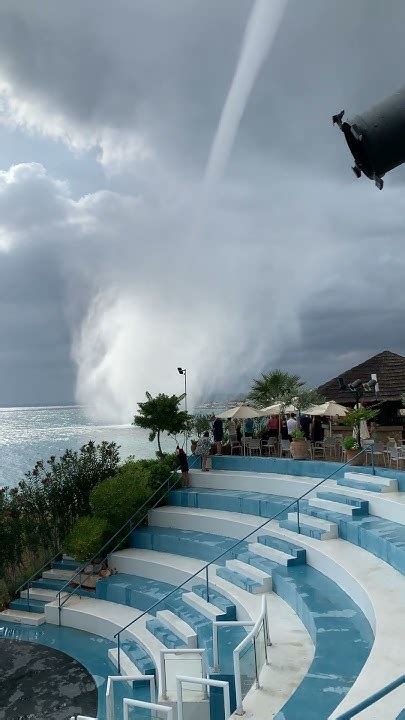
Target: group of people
pixel 280 425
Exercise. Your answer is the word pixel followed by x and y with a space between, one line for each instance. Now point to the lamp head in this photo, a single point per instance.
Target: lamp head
pixel 370 385
pixel 355 385
pixel 180 371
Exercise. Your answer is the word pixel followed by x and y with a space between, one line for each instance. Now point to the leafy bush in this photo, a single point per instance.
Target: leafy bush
pixel 4 595
pixel 298 434
pixel 350 443
pixel 117 498
pixel 87 537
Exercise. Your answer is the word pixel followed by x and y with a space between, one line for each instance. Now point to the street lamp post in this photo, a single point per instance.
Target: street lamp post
pixel 183 371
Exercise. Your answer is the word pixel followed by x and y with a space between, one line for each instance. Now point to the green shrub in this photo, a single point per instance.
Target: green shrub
pixel 350 443
pixel 297 434
pixel 87 537
pixel 119 497
pixel 4 595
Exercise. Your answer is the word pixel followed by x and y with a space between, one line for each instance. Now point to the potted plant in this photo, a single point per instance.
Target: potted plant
pixel 299 446
pixel 352 444
pixel 352 448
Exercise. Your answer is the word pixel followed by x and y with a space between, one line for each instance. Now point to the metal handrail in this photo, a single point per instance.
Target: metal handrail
pixel 375 697
pixel 107 544
pixel 225 552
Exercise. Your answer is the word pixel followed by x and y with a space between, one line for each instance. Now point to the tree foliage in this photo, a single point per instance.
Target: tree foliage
pixel 275 386
pixel 200 424
pixel 162 414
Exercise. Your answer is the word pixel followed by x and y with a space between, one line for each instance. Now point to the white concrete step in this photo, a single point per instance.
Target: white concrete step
pixel 22 617
pixel 44 594
pixel 329 529
pixel 263 578
pixel 57 574
pixel 179 627
pixel 270 553
pixel 210 611
pixel 333 506
pixel 127 667
pixel 389 483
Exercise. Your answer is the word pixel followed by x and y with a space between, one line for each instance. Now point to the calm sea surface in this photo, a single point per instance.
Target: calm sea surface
pixel 31 434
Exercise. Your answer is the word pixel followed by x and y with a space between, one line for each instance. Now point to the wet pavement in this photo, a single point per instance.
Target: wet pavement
pixel 41 683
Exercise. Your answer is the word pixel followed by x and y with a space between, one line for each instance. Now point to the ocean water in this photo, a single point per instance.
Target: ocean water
pixel 36 433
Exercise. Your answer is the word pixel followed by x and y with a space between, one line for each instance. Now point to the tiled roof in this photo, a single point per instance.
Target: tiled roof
pixel 389 368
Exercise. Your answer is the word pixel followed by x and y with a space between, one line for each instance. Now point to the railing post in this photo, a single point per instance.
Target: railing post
pixel 256 670
pixel 372 459
pixel 298 517
pixel 119 653
pixel 207 587
pixel 28 596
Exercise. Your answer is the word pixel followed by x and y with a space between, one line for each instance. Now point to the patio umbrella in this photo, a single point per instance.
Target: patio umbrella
pixel 330 409
pixel 242 412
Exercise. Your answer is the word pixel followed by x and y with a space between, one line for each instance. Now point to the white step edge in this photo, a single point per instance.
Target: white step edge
pixel 329 529
pixel 42 594
pixel 259 576
pixel 22 617
pixel 375 479
pixel 69 557
pixel 178 626
pixel 270 553
pixel 313 521
pixel 127 667
pixel 57 574
pixel 333 505
pixel 210 611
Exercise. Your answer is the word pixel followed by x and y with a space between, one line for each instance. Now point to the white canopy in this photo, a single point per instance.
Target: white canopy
pixel 278 409
pixel 330 409
pixel 242 412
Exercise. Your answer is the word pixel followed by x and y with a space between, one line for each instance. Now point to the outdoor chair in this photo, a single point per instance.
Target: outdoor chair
pixel 376 448
pixel 269 446
pixel 330 447
pixel 253 446
pixel 285 447
pixel 318 448
pixel 396 455
pixel 236 447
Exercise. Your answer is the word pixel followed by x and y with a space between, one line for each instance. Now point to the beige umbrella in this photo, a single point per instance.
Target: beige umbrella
pixel 329 409
pixel 242 412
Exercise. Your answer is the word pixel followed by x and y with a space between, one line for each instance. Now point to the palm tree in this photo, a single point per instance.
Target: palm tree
pixel 275 386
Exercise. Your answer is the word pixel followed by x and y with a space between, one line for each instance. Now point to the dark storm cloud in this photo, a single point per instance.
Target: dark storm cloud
pixel 299 265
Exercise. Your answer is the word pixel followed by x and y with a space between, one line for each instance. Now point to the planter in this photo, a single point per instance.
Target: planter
pixel 299 449
pixel 350 454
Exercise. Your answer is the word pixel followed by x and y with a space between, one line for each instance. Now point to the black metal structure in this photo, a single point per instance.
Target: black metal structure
pixel 376 138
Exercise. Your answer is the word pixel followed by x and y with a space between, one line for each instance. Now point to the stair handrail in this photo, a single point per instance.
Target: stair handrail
pixel 36 573
pixel 127 523
pixel 225 552
pixel 375 697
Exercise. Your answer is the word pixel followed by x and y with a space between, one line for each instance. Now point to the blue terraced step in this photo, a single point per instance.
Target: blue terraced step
pixel 303 529
pixel 346 499
pixel 251 503
pixel 401 715
pixel 139 657
pixel 203 546
pixel 49 584
pixel 162 633
pixel 36 606
pixel 299 554
pixel 238 579
pixel 221 602
pixel 66 565
pixel 361 485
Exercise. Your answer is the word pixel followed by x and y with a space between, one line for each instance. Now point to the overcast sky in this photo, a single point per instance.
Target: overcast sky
pixel 107 113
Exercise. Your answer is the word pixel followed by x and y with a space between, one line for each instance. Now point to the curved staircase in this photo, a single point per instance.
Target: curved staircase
pixel 334 565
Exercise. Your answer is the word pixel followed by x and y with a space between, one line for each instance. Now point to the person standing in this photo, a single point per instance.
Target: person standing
pixel 183 463
pixel 218 429
pixel 272 426
pixel 203 449
pixel 238 431
pixel 305 422
pixel 232 427
pixel 291 426
pixel 249 427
